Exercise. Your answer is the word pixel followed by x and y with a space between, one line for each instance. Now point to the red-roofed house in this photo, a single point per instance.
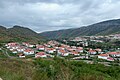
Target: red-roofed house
pixel 21 55
pixel 20 49
pixel 40 47
pixel 92 52
pixel 63 52
pixel 12 44
pixel 50 50
pixel 114 54
pixel 41 54
pixel 75 53
pixel 28 45
pixel 80 49
pixel 103 56
pixel 98 50
pixel 28 51
pixel 110 59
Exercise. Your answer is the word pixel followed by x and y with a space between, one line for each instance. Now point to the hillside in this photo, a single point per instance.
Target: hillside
pixel 18 33
pixel 102 28
pixel 56 69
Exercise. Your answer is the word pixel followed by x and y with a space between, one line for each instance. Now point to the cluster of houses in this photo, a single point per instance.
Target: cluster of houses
pixel 97 38
pixel 113 36
pixel 110 56
pixel 53 48
pixel 45 50
pixel 24 49
pixel 60 49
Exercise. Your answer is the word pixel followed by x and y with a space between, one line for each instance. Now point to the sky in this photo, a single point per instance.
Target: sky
pixel 49 15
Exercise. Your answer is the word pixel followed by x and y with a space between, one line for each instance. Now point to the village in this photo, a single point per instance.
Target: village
pixel 54 48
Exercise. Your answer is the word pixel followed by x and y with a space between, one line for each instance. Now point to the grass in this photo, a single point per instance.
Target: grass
pixel 55 69
pixel 2 55
pixel 11 69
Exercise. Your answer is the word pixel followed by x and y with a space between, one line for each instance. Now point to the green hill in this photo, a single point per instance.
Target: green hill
pixel 102 28
pixel 18 33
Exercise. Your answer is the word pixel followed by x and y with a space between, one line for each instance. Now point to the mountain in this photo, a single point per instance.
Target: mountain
pixel 18 33
pixel 102 28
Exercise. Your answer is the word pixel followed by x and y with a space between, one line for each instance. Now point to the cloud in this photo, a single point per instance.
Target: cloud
pixel 44 15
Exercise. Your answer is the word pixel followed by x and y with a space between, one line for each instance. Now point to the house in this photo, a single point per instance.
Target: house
pixel 28 44
pixel 14 51
pixel 31 45
pixel 25 44
pixel 12 44
pixel 50 50
pixel 93 52
pixel 98 50
pixel 75 53
pixel 21 55
pixel 80 49
pixel 11 49
pixel 103 56
pixel 106 57
pixel 71 49
pixel 62 52
pixel 28 51
pixel 40 47
pixel 15 47
pixel 114 54
pixel 61 47
pixel 20 49
pixel 110 59
pixel 41 54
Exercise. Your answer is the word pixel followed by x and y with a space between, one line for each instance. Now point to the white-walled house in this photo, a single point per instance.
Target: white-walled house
pixel 75 53
pixel 103 56
pixel 28 52
pixel 50 50
pixel 25 44
pixel 40 47
pixel 14 51
pixel 62 52
pixel 11 49
pixel 106 56
pixel 110 59
pixel 98 50
pixel 41 54
pixel 20 49
pixel 114 54
pixel 31 45
pixel 93 52
pixel 12 45
pixel 21 55
pixel 80 49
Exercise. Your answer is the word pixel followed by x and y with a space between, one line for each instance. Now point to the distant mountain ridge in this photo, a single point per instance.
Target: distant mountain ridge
pixel 102 28
pixel 18 33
